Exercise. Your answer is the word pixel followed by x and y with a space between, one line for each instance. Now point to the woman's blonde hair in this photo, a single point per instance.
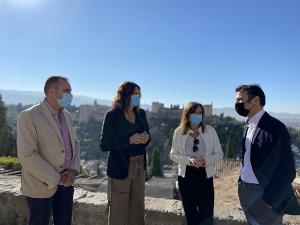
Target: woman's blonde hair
pixel 190 108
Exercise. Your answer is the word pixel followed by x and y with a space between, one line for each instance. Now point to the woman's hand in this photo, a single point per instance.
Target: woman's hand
pixel 296 188
pixel 146 137
pixel 197 162
pixel 137 138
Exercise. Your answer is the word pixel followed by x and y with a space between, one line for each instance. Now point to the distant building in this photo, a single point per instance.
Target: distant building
pixel 208 110
pixel 156 107
pixel 85 113
pixel 174 112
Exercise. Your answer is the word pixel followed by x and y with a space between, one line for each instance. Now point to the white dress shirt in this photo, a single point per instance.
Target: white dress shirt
pixel 247 174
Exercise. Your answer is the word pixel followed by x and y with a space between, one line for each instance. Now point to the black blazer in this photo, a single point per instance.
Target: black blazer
pixel 115 140
pixel 273 164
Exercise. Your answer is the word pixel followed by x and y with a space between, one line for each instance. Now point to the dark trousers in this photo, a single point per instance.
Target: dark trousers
pixel 197 193
pixel 60 204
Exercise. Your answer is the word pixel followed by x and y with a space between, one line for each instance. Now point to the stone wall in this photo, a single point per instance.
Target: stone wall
pixel 90 209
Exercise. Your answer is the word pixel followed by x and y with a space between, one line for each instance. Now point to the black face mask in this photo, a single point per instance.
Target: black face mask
pixel 240 109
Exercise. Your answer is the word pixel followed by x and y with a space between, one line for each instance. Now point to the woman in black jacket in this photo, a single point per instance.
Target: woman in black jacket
pixel 125 134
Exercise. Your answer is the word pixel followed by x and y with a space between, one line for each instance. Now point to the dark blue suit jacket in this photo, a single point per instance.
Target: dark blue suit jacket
pixel 273 164
pixel 115 140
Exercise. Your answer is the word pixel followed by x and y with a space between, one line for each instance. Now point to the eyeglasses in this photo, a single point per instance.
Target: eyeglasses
pixel 195 147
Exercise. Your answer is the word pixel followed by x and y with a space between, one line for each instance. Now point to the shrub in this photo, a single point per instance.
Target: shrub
pixel 10 163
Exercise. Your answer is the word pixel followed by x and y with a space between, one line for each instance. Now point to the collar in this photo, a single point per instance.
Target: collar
pixel 190 131
pixel 50 108
pixel 256 118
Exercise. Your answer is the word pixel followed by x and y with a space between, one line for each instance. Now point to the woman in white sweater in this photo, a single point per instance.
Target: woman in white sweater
pixel 196 147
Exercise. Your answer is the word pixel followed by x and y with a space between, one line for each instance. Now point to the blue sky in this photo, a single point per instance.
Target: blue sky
pixel 176 50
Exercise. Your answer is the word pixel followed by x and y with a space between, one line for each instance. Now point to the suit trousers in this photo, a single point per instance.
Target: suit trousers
pixel 256 210
pixel 126 198
pixel 60 205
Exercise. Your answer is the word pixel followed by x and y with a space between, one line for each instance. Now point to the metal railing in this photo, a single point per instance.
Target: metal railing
pixel 227 166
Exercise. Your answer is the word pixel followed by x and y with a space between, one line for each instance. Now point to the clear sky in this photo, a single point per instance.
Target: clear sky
pixel 176 50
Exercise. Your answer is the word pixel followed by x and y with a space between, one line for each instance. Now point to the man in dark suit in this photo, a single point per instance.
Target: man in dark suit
pixel 265 189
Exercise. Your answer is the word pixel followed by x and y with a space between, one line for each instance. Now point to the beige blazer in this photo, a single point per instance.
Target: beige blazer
pixel 41 151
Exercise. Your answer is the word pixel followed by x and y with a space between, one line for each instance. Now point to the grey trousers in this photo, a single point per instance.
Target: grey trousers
pixel 256 210
pixel 126 198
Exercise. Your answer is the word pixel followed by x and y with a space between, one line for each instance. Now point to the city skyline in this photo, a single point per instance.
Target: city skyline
pixel 32 97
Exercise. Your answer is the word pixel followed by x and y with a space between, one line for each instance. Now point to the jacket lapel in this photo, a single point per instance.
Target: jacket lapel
pixel 71 133
pixel 260 125
pixel 46 113
pixel 255 134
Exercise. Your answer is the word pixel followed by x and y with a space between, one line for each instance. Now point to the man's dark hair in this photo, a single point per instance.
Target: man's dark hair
pixel 253 90
pixel 51 81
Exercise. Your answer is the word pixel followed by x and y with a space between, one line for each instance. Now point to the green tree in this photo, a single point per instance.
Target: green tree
pixel 229 127
pixel 155 169
pixel 229 149
pixel 7 142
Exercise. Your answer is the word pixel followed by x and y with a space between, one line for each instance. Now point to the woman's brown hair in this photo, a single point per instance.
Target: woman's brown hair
pixel 190 108
pixel 122 99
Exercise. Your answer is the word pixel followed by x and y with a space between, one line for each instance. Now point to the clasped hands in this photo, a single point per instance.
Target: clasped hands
pixel 139 138
pixel 67 178
pixel 197 162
